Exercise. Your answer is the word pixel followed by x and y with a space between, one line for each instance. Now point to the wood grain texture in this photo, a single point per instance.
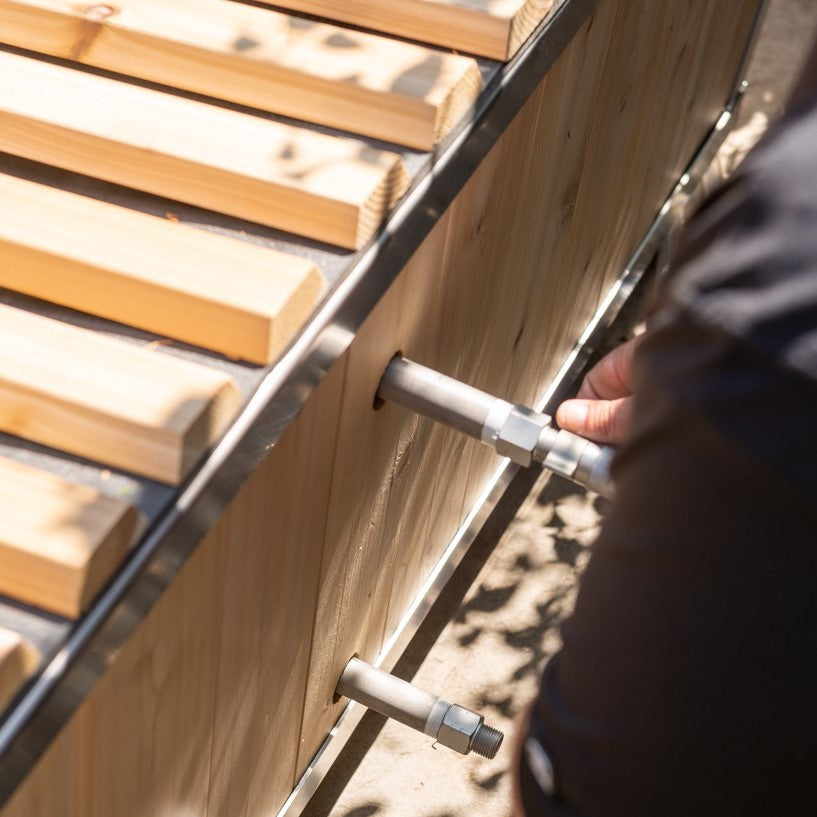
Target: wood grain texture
pixel 353 548
pixel 321 73
pixel 275 530
pixel 498 260
pixel 525 277
pixel 490 28
pixel 638 116
pixel 18 659
pixel 318 186
pixel 359 550
pixel 205 700
pixel 59 541
pixel 648 108
pixel 565 120
pixel 236 298
pixel 108 400
pixel 140 744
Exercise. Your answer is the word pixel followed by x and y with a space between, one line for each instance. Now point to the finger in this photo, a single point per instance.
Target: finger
pixel 604 421
pixel 611 377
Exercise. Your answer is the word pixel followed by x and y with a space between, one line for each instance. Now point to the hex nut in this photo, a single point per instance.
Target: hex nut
pixel 458 728
pixel 519 435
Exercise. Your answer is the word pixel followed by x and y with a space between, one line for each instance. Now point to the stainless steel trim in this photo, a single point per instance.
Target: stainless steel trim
pixel 556 391
pixel 48 702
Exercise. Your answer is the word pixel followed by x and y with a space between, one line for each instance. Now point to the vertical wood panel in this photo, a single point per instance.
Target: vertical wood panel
pixel 721 48
pixel 543 339
pixel 273 538
pixel 602 212
pixel 532 244
pixel 491 241
pixel 659 117
pixel 526 347
pixel 463 295
pixel 358 559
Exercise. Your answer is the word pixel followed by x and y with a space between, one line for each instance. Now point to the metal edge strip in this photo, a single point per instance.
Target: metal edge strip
pixel 50 700
pixel 491 496
pixel 738 81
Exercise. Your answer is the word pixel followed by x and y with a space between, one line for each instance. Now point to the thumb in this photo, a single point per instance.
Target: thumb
pixel 605 421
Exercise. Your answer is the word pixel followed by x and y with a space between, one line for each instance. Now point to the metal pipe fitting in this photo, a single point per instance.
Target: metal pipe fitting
pixel 449 724
pixel 516 432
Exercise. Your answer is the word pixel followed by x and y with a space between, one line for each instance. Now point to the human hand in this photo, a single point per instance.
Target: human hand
pixel 602 409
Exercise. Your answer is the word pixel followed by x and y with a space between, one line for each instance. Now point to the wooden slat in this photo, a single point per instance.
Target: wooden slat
pixel 346 79
pixel 59 542
pixel 490 28
pixel 18 660
pixel 230 296
pixel 108 400
pixel 322 187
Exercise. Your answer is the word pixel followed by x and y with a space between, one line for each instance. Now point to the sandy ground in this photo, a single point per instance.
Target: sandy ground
pixel 486 640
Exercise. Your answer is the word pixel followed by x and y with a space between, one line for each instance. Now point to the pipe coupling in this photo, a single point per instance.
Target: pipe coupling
pixel 451 725
pixel 577 458
pixel 464 731
pixel 514 431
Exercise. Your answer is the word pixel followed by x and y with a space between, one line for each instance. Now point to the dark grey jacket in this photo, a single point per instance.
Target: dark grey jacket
pixel 687 684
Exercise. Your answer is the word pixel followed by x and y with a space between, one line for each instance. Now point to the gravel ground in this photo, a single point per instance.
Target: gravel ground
pixel 488 637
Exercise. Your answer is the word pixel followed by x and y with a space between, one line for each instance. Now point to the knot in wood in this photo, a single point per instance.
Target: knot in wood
pixel 98 12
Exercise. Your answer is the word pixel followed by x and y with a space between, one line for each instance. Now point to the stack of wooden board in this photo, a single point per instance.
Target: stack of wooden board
pixel 137 409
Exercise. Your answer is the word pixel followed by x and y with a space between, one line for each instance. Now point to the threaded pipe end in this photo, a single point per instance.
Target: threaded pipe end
pixel 486 741
pixel 548 437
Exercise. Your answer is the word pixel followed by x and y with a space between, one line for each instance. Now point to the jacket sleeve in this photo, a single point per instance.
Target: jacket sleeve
pixel 686 680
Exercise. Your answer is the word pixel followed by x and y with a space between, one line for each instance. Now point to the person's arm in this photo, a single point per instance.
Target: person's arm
pixel 685 684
